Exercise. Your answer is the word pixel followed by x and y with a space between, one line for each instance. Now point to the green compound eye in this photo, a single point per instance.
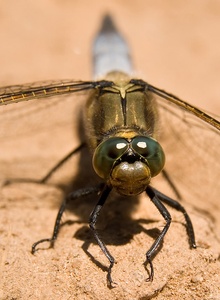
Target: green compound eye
pixel 107 153
pixel 151 151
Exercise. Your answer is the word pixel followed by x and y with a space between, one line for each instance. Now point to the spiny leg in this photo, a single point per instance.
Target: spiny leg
pixel 175 204
pixel 60 163
pixel 72 196
pixel 49 173
pixel 92 222
pixel 171 184
pixel 164 212
pixel 156 197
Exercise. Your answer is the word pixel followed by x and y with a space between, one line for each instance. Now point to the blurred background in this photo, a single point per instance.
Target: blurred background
pixel 175 44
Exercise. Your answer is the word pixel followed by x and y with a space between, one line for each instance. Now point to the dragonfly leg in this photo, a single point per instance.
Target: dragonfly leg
pixel 175 204
pixel 55 231
pixel 60 163
pixel 49 174
pixel 171 184
pixel 72 196
pixel 92 222
pixel 164 212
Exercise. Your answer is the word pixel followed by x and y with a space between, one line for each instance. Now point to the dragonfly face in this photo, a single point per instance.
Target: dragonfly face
pixel 128 164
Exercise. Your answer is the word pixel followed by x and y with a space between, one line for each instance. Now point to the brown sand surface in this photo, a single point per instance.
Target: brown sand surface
pixel 175 46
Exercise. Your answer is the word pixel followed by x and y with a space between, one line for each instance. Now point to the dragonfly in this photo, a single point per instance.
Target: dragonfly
pixel 131 127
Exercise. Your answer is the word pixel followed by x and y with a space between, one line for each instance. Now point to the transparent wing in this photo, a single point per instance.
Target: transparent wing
pixel 44 89
pixel 191 144
pixel 34 135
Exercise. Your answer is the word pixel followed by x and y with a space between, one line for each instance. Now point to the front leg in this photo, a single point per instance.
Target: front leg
pixel 72 196
pixel 92 222
pixel 164 212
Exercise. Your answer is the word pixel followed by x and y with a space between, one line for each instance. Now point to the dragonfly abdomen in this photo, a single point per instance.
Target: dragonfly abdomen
pixel 110 51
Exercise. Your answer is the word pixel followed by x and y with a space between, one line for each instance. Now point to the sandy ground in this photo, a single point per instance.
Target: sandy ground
pixel 175 46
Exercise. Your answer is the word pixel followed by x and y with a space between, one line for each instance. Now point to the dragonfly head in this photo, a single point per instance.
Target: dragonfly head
pixel 128 164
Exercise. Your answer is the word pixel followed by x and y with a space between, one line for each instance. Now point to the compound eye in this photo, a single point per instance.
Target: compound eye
pixel 140 145
pixel 114 149
pixel 151 151
pixel 106 154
